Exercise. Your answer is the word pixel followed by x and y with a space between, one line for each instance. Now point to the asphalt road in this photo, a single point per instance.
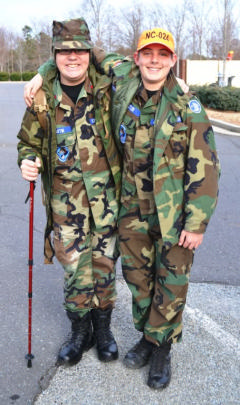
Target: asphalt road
pixel 205 365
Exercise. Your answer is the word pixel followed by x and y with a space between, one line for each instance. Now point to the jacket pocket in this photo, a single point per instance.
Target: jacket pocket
pixel 176 151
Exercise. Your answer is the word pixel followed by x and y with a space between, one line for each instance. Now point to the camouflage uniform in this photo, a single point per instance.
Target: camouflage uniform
pixel 170 183
pixel 81 181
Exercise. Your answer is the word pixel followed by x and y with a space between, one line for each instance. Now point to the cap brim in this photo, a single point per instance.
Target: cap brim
pixel 72 45
pixel 158 43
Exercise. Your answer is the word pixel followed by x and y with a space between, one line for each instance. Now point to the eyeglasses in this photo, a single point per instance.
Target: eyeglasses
pixel 69 51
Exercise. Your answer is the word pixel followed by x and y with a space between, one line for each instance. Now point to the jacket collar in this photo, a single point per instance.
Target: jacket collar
pixel 58 93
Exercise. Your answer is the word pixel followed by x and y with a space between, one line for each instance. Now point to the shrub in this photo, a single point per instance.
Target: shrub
pixel 218 98
pixel 4 76
pixel 15 77
pixel 26 76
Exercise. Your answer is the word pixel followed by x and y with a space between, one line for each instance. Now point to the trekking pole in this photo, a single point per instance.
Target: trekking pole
pixel 30 356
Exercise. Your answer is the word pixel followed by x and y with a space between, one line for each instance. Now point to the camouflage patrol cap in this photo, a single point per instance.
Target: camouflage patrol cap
pixel 71 34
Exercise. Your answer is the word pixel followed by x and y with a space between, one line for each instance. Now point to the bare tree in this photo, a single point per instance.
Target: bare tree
pixel 156 16
pixel 44 42
pixel 130 27
pixel 95 12
pixel 200 23
pixel 227 25
pixel 227 28
pixel 11 38
pixel 111 34
pixel 20 54
pixel 42 32
pixel 4 49
pixel 176 21
pixel 8 42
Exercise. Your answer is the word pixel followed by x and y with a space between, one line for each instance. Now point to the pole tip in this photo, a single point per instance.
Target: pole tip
pixel 29 363
pixel 29 358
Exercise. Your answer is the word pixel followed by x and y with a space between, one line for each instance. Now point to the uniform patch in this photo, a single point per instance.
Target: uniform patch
pixel 134 110
pixel 62 153
pixel 195 106
pixel 63 130
pixel 122 133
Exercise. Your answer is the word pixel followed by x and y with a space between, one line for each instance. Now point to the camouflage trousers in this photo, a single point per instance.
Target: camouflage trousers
pixel 157 278
pixel 86 252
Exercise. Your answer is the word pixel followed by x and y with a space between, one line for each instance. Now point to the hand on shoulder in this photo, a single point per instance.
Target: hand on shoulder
pixel 31 88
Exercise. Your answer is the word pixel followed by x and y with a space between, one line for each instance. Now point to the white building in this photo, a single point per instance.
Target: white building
pixel 201 72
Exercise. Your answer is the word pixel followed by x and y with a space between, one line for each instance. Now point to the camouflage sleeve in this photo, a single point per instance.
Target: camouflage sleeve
pixel 105 62
pixel 47 67
pixel 30 137
pixel 203 170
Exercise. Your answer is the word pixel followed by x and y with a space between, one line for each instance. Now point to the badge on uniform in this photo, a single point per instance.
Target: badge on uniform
pixel 62 152
pixel 63 130
pixel 122 133
pixel 134 110
pixel 195 106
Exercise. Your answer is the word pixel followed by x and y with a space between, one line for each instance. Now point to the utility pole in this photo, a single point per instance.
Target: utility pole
pixel 225 20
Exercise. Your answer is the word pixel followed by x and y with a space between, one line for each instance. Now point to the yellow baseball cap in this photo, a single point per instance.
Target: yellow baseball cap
pixel 156 36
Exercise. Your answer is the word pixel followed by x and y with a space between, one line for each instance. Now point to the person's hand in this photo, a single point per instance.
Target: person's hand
pixel 30 169
pixel 183 85
pixel 190 240
pixel 31 88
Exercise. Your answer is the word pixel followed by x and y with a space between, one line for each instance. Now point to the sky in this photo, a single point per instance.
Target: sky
pixel 15 14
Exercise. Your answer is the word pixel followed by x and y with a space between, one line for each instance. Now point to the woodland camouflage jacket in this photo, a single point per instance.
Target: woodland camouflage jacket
pixel 36 141
pixel 186 167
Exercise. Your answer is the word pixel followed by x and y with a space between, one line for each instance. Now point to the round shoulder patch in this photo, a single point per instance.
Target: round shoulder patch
pixel 195 106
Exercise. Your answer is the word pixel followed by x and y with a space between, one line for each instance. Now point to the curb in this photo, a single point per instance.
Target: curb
pixel 224 125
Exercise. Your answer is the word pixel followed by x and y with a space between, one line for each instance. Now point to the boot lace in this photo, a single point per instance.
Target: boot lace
pixel 159 356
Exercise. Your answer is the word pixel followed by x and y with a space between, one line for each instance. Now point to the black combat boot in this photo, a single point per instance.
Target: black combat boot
pixel 160 367
pixel 106 345
pixel 80 340
pixel 139 354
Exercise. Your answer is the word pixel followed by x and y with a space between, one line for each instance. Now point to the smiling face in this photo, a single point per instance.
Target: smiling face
pixel 73 66
pixel 154 62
